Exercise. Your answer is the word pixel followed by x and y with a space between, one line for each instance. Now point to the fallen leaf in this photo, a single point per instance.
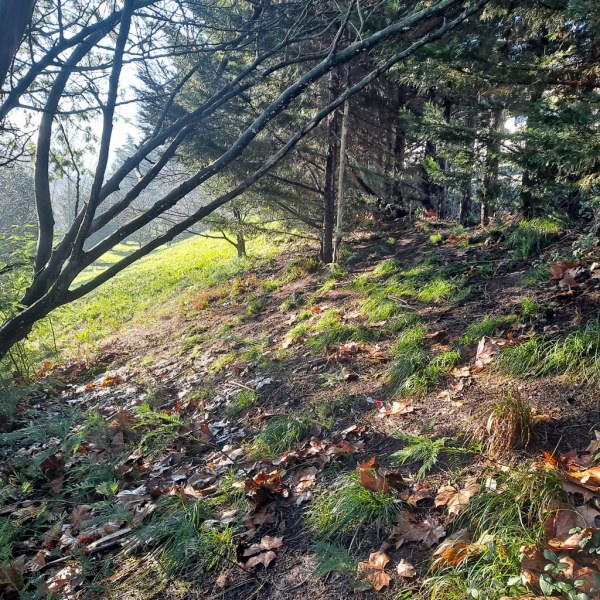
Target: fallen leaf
pixel 454 499
pixel 266 543
pixel 266 558
pixel 408 529
pixel 373 570
pixel 397 408
pixel 406 570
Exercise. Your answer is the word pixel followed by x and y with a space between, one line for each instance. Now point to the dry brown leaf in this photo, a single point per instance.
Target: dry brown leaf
pixel 373 570
pixel 408 529
pixel 12 573
pixel 396 409
pixel 266 543
pixel 406 570
pixel 265 558
pixel 454 499
pixel 419 495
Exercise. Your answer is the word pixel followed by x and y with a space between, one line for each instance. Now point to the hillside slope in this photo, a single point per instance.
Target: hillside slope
pixel 273 428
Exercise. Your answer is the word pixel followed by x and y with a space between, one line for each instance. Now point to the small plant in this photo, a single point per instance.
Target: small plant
pixel 280 435
pixel 255 305
pixel 509 513
pixel 294 300
pixel 380 304
pixel 330 329
pixel 388 267
pixel 486 326
pixel 576 353
pixel 508 426
pixel 244 400
pixel 538 276
pixel 437 290
pixel 350 507
pixel 531 310
pixel 301 267
pixel 329 557
pixel 532 236
pixel 421 383
pixel 429 452
pixel 436 238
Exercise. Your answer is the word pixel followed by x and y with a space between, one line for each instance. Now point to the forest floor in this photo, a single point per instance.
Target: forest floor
pixel 417 422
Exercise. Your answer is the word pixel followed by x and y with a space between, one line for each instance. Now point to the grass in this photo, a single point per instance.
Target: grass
pixel 429 452
pixel 280 435
pixel 536 277
pixel 508 426
pixel 155 284
pixel 350 508
pixel 329 557
pixel 243 400
pixel 509 513
pixel 574 354
pixel 421 383
pixel 183 540
pixel 330 330
pixel 532 236
pixel 486 326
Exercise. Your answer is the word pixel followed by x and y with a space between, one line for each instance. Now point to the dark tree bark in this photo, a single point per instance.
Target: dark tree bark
pixel 15 15
pixel 492 163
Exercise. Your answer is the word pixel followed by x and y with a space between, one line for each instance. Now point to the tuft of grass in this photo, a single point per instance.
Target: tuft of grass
pixel 280 435
pixel 349 507
pixel 485 326
pixel 294 300
pixel 255 305
pixel 244 400
pixel 436 238
pixel 509 513
pixel 380 304
pixel 329 557
pixel 388 267
pixel 330 330
pixel 532 310
pixel 532 236
pixel 420 384
pixel 184 540
pixel 537 277
pixel 300 267
pixel 508 427
pixel 437 290
pixel 576 353
pixel 428 451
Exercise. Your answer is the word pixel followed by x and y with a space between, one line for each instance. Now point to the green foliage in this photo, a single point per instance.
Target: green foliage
pixel 538 276
pixel 330 330
pixel 350 507
pixel 243 400
pixel 532 236
pixel 183 539
pixel 280 435
pixel 329 557
pixel 576 353
pixel 429 452
pixel 300 267
pixel 508 514
pixel 485 326
pixel 531 310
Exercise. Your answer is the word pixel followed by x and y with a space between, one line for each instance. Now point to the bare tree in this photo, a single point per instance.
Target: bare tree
pixel 78 69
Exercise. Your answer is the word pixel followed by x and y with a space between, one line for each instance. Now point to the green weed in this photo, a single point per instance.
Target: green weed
pixel 576 353
pixel 486 326
pixel 244 400
pixel 428 451
pixel 539 275
pixel 280 435
pixel 532 236
pixel 330 330
pixel 508 514
pixel 350 507
pixel 329 557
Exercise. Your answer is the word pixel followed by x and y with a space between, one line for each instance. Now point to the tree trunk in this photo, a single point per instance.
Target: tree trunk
pixel 492 163
pixel 444 210
pixel 467 197
pixel 330 175
pixel 15 15
pixel 340 185
pixel 528 179
pixel 240 244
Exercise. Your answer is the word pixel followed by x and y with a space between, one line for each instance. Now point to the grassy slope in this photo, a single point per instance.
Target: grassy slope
pixel 148 290
pixel 390 325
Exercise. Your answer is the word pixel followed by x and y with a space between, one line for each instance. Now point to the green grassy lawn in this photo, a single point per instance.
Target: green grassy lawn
pixel 143 292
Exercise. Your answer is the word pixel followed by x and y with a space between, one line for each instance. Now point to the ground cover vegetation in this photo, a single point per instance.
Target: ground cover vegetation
pixel 318 315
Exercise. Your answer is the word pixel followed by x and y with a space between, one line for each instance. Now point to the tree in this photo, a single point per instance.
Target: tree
pixel 84 61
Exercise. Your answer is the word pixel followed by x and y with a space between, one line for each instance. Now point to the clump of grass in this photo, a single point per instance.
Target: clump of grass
pixel 508 426
pixel 409 349
pixel 401 322
pixel 576 353
pixel 437 290
pixel 300 267
pixel 509 513
pixel 329 557
pixel 429 451
pixel 380 304
pixel 436 238
pixel 532 236
pixel 485 326
pixel 255 305
pixel 183 540
pixel 539 275
pixel 420 384
pixel 388 267
pixel 294 300
pixel 330 330
pixel 350 507
pixel 531 310
pixel 244 400
pixel 280 435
